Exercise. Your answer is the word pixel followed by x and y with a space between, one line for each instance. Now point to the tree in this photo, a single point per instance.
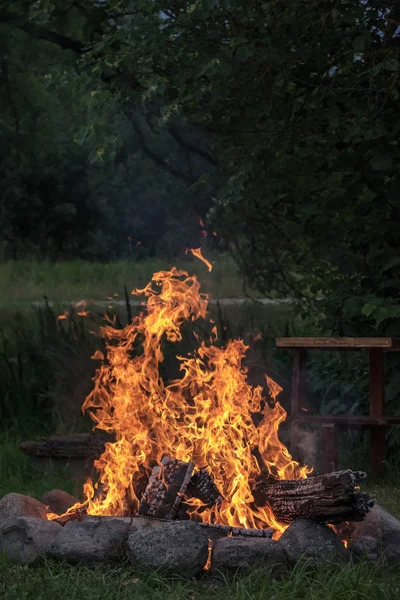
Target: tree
pixel 298 103
pixel 83 173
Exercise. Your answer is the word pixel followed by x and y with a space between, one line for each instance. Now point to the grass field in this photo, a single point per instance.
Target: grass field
pixel 50 580
pixel 27 281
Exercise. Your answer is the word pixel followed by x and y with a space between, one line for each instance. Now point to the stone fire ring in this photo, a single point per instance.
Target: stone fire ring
pixel 185 548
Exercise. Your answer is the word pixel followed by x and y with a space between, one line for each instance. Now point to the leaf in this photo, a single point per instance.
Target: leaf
pixel 359 43
pixel 80 136
pixel 368 309
pixel 393 262
pixel 387 312
pixel 243 53
pixel 381 162
pixel 391 64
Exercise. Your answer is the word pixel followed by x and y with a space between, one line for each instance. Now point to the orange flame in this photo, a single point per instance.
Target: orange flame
pixel 65 315
pixel 205 416
pixel 197 253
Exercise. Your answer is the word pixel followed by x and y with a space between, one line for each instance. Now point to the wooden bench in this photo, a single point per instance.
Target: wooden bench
pixel 376 421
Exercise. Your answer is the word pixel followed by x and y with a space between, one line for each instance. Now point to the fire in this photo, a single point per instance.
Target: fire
pixel 64 316
pixel 205 416
pixel 197 252
pixel 82 305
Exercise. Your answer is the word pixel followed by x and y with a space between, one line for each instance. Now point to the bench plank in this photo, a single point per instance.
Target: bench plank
pixel 347 420
pixel 338 343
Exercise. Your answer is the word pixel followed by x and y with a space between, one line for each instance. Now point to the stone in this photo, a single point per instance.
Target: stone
pixel 231 554
pixel 18 505
pixel 378 536
pixel 94 540
pixel 58 501
pixel 216 532
pixel 366 547
pixel 314 542
pixel 26 539
pixel 180 547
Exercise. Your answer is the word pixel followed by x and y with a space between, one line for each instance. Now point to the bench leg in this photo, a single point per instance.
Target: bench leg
pixel 329 447
pixel 299 381
pixel 295 441
pixel 377 446
pixel 377 409
pixel 299 397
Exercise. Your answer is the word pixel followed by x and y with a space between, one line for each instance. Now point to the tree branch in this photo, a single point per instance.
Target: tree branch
pixel 158 160
pixel 190 148
pixel 41 33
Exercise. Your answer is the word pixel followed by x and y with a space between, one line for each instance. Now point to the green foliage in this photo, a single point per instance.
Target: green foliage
pixel 298 102
pixel 84 173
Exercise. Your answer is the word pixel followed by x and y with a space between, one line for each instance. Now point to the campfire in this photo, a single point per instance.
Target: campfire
pixel 194 474
pixel 204 446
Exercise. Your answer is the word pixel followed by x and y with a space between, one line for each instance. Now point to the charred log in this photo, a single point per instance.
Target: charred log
pixel 77 514
pixel 330 498
pixel 216 532
pixel 165 489
pixel 202 486
pixel 80 445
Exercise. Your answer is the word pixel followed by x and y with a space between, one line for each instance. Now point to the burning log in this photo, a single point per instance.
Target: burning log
pixel 165 489
pixel 216 531
pixel 75 514
pixel 202 486
pixel 330 498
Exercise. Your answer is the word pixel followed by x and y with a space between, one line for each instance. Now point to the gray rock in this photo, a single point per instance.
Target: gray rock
pixel 26 539
pixel 58 501
pixel 18 505
pixel 93 540
pixel 366 547
pixel 378 536
pixel 238 553
pixel 311 541
pixel 180 547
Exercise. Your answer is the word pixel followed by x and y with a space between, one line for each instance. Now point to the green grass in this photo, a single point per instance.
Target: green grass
pixel 27 281
pixel 51 580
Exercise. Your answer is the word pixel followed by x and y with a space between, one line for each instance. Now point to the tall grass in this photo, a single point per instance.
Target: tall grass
pixel 46 368
pixel 45 371
pixel 26 281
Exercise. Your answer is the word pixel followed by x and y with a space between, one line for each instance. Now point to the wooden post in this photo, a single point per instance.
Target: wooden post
pixel 377 409
pixel 299 397
pixel 329 447
pixel 299 381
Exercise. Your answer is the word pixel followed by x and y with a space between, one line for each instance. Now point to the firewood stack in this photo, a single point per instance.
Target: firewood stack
pixel 330 498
